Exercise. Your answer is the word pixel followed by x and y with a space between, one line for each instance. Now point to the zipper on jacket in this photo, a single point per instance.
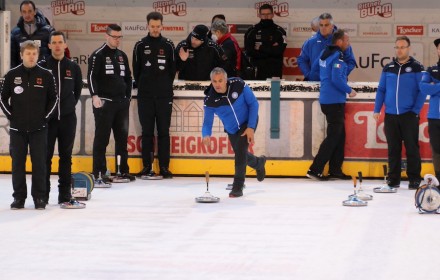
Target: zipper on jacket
pixel 397 89
pixel 233 111
pixel 59 90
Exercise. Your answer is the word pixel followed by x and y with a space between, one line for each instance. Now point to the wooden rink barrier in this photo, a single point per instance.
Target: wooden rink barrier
pixel 301 131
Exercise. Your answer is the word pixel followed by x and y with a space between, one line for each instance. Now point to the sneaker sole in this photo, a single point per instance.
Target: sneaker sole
pixel 315 178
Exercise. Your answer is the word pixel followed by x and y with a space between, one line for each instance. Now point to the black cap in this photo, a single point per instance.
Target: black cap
pixel 436 42
pixel 200 32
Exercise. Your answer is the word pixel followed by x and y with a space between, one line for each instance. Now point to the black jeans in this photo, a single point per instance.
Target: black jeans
pixel 434 140
pixel 240 146
pixel 404 128
pixel 64 130
pixel 332 148
pixel 18 147
pixel 111 116
pixel 155 112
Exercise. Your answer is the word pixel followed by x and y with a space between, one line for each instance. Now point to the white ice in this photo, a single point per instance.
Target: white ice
pixel 281 229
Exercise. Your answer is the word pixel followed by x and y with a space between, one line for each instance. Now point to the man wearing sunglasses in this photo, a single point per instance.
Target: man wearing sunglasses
pixel 110 84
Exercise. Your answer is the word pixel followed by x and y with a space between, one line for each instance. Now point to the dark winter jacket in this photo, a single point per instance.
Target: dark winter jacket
pixel 109 75
pixel 154 67
pixel 430 85
pixel 68 79
pixel 40 36
pixel 28 98
pixel 201 60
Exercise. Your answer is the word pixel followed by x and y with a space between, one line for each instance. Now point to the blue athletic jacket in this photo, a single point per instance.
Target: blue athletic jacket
pixel 238 106
pixel 333 72
pixel 430 85
pixel 399 88
pixel 308 60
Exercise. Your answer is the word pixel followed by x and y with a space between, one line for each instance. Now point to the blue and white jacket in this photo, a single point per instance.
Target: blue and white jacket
pixel 399 88
pixel 235 108
pixel 430 85
pixel 308 60
pixel 333 72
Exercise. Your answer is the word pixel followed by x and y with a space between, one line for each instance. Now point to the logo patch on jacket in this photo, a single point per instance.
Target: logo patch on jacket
pixel 408 69
pixel 161 51
pixel 337 65
pixel 121 59
pixel 18 81
pixel 68 73
pixel 235 95
pixel 39 81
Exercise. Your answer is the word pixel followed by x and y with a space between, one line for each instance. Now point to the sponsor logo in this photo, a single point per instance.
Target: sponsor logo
pixel 18 80
pixel 170 7
pixel 279 9
pixel 18 90
pixel 99 27
pixel 375 8
pixel 409 29
pixel 290 62
pixel 375 30
pixel 434 30
pixel 60 7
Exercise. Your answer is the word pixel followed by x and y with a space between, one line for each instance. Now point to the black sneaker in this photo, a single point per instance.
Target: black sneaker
pixel 40 204
pixel 166 173
pixel 144 172
pixel 413 185
pixel 338 176
pixel 236 192
pixel 393 184
pixel 261 172
pixel 17 204
pixel 128 176
pixel 316 176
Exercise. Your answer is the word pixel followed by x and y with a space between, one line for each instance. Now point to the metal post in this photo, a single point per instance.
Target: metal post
pixel 5 42
pixel 275 85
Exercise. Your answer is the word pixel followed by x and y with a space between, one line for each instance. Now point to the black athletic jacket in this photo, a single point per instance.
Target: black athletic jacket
pixel 68 79
pixel 154 67
pixel 28 98
pixel 109 74
pixel 201 60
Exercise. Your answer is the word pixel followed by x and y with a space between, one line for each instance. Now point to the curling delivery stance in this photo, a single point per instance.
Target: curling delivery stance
pixel 237 107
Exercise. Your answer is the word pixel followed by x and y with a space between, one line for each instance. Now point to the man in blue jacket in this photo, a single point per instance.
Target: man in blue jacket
pixel 400 92
pixel 236 106
pixel 430 85
pixel 332 97
pixel 308 60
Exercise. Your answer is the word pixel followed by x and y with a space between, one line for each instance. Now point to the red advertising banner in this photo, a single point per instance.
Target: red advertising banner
pixel 365 138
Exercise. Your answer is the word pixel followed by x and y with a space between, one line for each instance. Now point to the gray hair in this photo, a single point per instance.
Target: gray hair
pixel 216 71
pixel 326 16
pixel 220 25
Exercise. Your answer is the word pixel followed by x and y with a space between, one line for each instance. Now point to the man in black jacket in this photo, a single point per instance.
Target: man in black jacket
pixel 229 45
pixel 198 55
pixel 32 25
pixel 28 99
pixel 154 70
pixel 109 81
pixel 265 43
pixel 68 79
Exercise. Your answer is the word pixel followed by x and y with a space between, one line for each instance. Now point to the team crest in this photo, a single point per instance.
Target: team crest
pixel 121 59
pixel 39 81
pixel 68 73
pixel 408 69
pixel 235 95
pixel 161 52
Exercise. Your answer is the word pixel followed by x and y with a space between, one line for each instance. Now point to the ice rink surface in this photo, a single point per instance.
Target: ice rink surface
pixel 280 229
